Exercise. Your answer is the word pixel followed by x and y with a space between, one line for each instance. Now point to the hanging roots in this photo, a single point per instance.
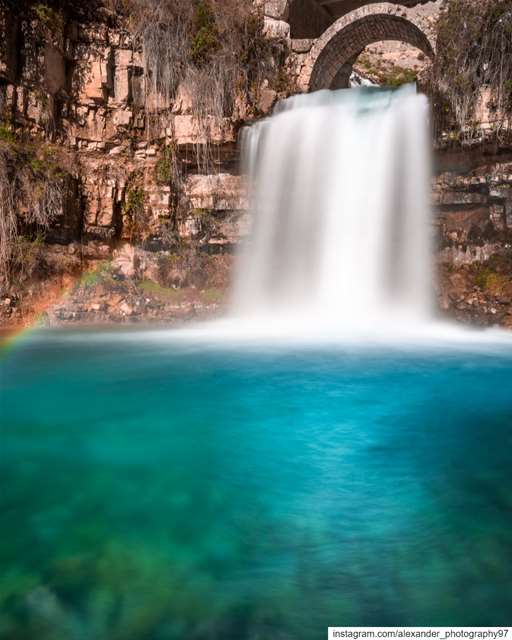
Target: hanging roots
pixel 31 197
pixel 473 66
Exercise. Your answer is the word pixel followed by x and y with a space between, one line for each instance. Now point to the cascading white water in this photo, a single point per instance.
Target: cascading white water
pixel 339 185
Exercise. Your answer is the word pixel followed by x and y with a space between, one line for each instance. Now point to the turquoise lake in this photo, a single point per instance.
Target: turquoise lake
pixel 152 489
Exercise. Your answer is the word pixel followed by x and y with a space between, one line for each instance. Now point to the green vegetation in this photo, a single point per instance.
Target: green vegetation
pixel 165 166
pixel 212 295
pixel 388 76
pixel 32 189
pixel 213 48
pixel 134 201
pixel 202 214
pixel 168 266
pixel 495 275
pixel 175 295
pixel 165 294
pixel 7 134
pixel 486 278
pixel 48 16
pixel 27 255
pixel 134 211
pixel 400 76
pixel 101 273
pixel 205 41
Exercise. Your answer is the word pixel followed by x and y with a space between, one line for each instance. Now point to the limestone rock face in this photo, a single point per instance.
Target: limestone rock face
pixel 472 199
pixel 187 130
pixel 276 29
pixel 143 170
pixel 152 192
pixel 474 205
pixel 54 70
pixel 124 260
pixel 221 192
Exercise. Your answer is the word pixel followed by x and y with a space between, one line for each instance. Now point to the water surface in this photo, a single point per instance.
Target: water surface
pixel 152 489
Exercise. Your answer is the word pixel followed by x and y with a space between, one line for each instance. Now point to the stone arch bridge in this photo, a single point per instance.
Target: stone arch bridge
pixel 329 35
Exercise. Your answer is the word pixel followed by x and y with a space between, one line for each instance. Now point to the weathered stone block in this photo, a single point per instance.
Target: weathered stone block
pixel 160 197
pixel 136 80
pixel 276 29
pixel 302 45
pixel 105 216
pixel 183 100
pixel 267 99
pixel 54 70
pixel 122 117
pixel 123 60
pixel 33 105
pixel 277 9
pixel 187 130
pixel 222 192
pixel 94 78
pixel 461 197
pixel 124 260
pixel 232 228
pixel 188 228
pixel 503 191
pixel 497 216
pixel 463 221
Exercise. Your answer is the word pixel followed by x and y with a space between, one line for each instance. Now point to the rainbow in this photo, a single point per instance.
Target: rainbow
pixel 9 338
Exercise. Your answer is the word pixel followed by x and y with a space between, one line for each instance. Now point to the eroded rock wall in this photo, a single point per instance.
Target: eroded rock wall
pixel 151 180
pixel 137 239
pixel 472 199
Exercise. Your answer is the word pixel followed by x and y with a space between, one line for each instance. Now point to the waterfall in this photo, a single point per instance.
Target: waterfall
pixel 339 186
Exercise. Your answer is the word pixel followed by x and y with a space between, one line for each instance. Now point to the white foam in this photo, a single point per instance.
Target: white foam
pixel 341 220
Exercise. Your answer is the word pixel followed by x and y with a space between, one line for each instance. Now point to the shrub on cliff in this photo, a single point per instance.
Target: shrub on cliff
pixel 472 71
pixel 31 197
pixel 215 49
pixel 212 52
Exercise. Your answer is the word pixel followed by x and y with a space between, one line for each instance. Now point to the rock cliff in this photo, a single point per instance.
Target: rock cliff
pixel 149 205
pixel 152 191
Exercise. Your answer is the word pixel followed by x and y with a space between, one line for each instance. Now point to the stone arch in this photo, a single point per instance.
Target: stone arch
pixel 310 18
pixel 335 51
